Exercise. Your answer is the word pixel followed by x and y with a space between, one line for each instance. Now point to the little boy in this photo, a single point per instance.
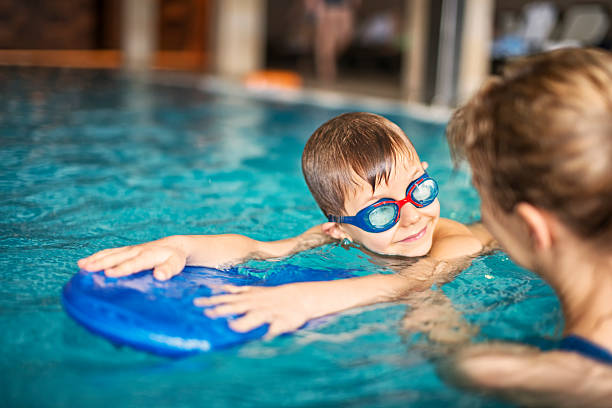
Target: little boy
pixel 367 178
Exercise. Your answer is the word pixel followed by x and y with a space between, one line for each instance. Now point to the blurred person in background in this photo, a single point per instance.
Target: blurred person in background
pixel 334 27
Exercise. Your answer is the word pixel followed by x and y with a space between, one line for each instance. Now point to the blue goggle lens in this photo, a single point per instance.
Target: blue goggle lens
pixel 380 217
pixel 383 215
pixel 425 192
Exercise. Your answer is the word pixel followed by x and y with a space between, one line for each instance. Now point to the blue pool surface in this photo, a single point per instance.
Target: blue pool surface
pixel 95 159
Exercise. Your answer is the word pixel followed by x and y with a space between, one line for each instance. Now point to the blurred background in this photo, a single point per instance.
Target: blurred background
pixel 433 52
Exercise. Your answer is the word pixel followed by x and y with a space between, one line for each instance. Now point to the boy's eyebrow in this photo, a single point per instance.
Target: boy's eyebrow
pixel 413 176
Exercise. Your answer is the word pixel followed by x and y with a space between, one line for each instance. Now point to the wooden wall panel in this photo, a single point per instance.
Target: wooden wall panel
pixel 86 33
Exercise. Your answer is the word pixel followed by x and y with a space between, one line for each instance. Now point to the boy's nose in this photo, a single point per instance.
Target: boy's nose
pixel 409 215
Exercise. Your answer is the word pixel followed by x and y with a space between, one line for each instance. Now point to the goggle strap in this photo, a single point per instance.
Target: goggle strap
pixel 335 218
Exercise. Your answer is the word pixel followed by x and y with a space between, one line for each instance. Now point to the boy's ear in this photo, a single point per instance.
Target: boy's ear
pixel 425 165
pixel 538 223
pixel 334 230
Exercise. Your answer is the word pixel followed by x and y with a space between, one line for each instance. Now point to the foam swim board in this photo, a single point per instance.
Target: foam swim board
pixel 160 317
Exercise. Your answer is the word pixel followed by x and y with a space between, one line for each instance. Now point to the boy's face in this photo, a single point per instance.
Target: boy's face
pixel 413 233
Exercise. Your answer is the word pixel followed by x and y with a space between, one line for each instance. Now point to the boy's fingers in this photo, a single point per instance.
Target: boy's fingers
pixel 235 289
pixel 228 309
pixel 249 322
pixel 213 300
pixel 101 254
pixel 117 272
pixel 276 329
pixel 113 259
pixel 84 262
pixel 133 265
pixel 171 267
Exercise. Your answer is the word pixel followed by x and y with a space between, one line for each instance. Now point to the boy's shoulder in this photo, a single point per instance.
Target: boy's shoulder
pixel 453 239
pixel 447 227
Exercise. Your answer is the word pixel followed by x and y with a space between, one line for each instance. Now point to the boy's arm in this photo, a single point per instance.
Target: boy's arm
pixel 168 256
pixel 231 249
pixel 287 307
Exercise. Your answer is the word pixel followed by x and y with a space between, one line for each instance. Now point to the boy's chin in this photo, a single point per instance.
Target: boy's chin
pixel 411 251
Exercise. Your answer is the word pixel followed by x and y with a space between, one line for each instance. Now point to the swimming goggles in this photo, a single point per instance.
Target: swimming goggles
pixel 385 213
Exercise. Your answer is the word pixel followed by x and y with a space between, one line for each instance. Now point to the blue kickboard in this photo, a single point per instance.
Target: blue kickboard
pixel 160 317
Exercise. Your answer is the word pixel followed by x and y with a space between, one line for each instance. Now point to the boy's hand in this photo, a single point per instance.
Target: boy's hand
pixel 165 259
pixel 282 307
pixel 287 307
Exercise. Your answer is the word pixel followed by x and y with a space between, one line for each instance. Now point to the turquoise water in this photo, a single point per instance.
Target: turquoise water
pixel 91 160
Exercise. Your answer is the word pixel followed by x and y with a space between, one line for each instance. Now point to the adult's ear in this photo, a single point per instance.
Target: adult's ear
pixel 538 222
pixel 334 230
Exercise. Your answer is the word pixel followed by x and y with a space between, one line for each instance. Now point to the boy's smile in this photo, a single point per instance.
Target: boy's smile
pixel 413 233
pixel 416 236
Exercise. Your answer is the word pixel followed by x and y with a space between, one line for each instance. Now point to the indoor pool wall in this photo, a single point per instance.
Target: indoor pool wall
pixel 94 159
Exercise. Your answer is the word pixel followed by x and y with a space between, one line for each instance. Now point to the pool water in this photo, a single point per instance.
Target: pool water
pixel 94 159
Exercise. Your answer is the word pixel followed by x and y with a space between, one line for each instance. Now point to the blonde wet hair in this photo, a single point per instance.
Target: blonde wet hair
pixel 541 133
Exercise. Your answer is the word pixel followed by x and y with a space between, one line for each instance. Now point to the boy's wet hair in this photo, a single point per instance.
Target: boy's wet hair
pixel 541 133
pixel 352 144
